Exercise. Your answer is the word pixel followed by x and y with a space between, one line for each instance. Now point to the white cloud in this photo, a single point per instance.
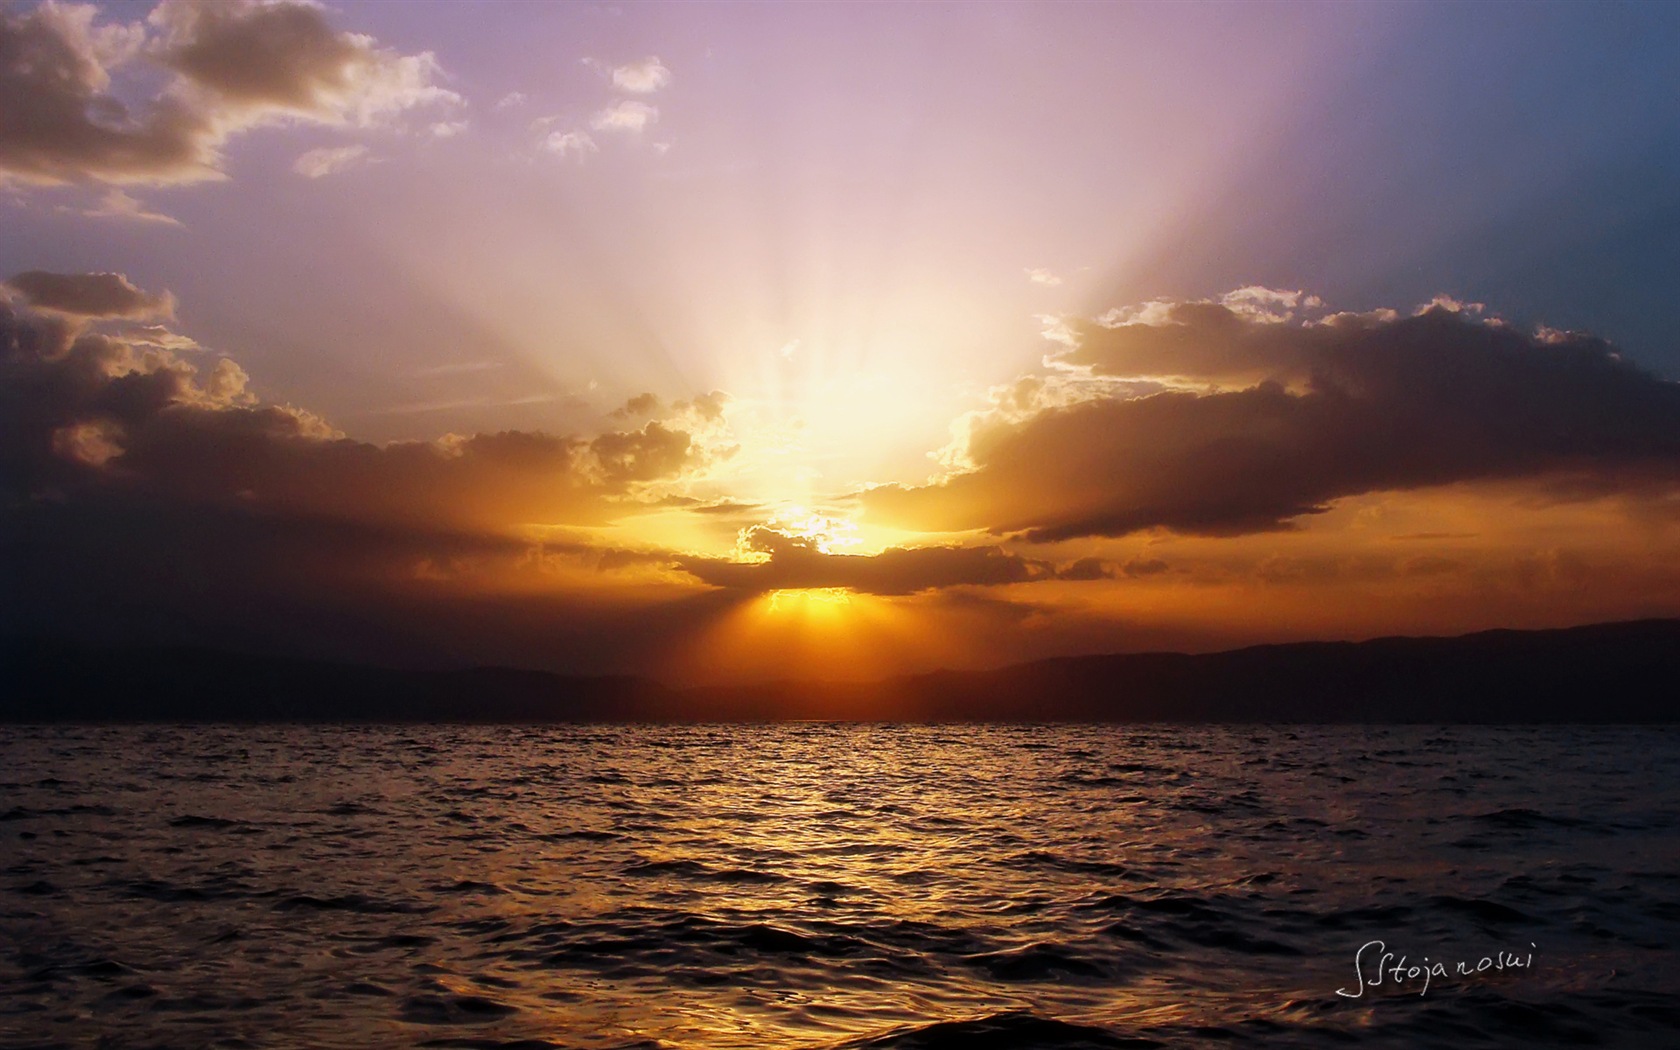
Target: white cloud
pixel 1273 305
pixel 447 129
pixel 1038 275
pixel 625 116
pixel 512 99
pixel 116 204
pixel 642 78
pixel 576 144
pixel 331 160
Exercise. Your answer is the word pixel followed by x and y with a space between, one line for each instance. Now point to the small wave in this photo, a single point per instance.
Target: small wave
pixel 693 869
pixel 354 902
pixel 38 888
pixel 394 942
pixel 1045 859
pixel 1391 916
pixel 1001 1032
pixel 583 834
pixel 493 1044
pixel 193 820
pixel 453 1009
pixel 25 813
pixel 469 886
pixel 173 893
pixel 1523 819
pixel 348 809
pixel 1036 962
pixel 1479 909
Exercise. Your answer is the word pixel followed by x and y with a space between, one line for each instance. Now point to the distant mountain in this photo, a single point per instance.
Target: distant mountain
pixel 1624 672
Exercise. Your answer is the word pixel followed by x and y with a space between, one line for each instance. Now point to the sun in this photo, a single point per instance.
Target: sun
pixel 828 534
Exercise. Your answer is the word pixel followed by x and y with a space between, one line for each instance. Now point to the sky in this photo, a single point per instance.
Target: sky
pixel 730 341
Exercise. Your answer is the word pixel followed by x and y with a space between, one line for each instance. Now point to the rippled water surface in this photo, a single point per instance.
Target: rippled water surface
pixel 818 885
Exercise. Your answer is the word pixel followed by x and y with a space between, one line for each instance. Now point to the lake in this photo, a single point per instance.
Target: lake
pixel 838 885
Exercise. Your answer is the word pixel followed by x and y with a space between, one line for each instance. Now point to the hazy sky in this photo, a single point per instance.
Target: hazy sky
pixel 756 337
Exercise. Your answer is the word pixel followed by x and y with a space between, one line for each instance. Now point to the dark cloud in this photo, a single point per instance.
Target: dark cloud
pixel 797 562
pixel 124 567
pixel 653 452
pixel 1144 567
pixel 89 411
pixel 90 295
pixel 58 123
pixel 1345 406
pixel 235 65
pixel 1088 569
pixel 150 497
pixel 282 55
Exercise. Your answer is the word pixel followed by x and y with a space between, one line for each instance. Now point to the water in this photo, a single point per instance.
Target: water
pixel 816 885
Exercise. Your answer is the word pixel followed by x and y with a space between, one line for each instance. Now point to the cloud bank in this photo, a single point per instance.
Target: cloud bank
pixel 1223 418
pixel 148 492
pixel 88 406
pixel 791 562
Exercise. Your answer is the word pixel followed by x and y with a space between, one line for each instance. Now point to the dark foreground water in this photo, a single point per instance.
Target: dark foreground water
pixel 822 885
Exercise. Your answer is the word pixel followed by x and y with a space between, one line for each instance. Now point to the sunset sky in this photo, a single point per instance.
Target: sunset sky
pixel 716 341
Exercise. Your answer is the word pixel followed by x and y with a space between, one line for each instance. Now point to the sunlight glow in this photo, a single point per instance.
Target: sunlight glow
pixel 809 600
pixel 827 534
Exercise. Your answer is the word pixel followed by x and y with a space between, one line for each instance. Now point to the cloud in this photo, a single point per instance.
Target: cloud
pixel 511 99
pixel 90 295
pixel 330 160
pixel 1042 276
pixel 117 205
pixel 460 367
pixel 255 59
pixel 422 407
pixel 1144 567
pixel 629 115
pixel 575 144
pixel 641 78
pixel 1089 569
pixel 88 410
pixel 642 406
pixel 1221 419
pixel 229 67
pixel 151 496
pixel 653 452
pixel 788 561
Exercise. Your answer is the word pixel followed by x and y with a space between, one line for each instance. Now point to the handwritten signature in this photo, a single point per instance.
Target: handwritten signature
pixel 1375 959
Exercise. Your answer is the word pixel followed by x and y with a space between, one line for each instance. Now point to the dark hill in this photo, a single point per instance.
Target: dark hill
pixel 1627 672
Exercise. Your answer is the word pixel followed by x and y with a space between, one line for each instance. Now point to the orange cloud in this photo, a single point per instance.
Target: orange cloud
pixel 167 427
pixel 148 492
pixel 796 562
pixel 1290 417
